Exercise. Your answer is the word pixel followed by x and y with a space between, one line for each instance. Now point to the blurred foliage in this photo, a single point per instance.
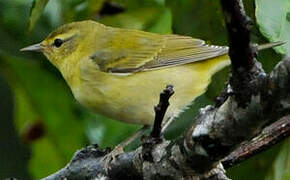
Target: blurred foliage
pixel 53 125
pixel 41 97
pixel 275 25
pixel 36 11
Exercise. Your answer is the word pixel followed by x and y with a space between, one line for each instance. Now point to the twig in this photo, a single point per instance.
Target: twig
pixel 155 136
pixel 160 110
pixel 270 136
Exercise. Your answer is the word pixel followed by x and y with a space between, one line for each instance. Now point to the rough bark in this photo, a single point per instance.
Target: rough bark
pixel 270 136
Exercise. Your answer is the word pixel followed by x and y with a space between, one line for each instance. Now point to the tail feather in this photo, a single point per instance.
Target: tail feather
pixel 270 45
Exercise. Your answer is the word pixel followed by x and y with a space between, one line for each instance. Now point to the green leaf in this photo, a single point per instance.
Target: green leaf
pixel 36 11
pixel 273 18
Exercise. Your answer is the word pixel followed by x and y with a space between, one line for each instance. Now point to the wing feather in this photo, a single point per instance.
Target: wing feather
pixel 182 50
pixel 128 50
pixel 135 51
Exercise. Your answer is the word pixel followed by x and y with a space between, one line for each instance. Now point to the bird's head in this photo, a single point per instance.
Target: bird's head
pixel 66 42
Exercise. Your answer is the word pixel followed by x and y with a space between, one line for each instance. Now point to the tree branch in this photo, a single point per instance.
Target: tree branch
pixel 155 136
pixel 160 110
pixel 239 26
pixel 269 137
pixel 245 68
pixel 220 129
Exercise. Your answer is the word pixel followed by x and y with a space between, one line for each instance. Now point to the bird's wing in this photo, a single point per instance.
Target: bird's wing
pixel 180 50
pixel 141 51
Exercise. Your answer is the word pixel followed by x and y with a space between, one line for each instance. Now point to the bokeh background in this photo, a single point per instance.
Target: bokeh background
pixel 41 124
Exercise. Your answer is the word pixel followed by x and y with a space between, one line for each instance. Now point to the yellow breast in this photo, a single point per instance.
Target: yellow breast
pixel 131 98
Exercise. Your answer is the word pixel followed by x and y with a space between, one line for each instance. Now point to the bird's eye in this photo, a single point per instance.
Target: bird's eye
pixel 58 42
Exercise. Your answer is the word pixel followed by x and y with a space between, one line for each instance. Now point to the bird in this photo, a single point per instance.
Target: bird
pixel 120 73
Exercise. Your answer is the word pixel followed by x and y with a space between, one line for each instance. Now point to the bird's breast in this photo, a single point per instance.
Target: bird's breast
pixel 132 98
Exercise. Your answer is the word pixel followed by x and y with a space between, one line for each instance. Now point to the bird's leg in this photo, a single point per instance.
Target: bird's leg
pixel 119 149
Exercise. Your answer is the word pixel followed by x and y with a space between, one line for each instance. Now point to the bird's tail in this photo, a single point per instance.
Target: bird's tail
pixel 270 45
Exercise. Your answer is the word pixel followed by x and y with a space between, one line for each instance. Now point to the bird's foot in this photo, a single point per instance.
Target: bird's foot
pixel 109 158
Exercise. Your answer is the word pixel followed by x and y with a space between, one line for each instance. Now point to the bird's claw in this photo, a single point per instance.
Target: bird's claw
pixel 111 156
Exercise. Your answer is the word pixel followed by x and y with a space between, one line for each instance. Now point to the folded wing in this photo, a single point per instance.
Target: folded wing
pixel 135 51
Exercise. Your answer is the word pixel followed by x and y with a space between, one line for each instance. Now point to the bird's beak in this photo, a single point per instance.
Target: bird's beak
pixel 35 47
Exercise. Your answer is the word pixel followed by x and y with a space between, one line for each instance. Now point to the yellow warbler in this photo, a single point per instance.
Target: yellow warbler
pixel 120 72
